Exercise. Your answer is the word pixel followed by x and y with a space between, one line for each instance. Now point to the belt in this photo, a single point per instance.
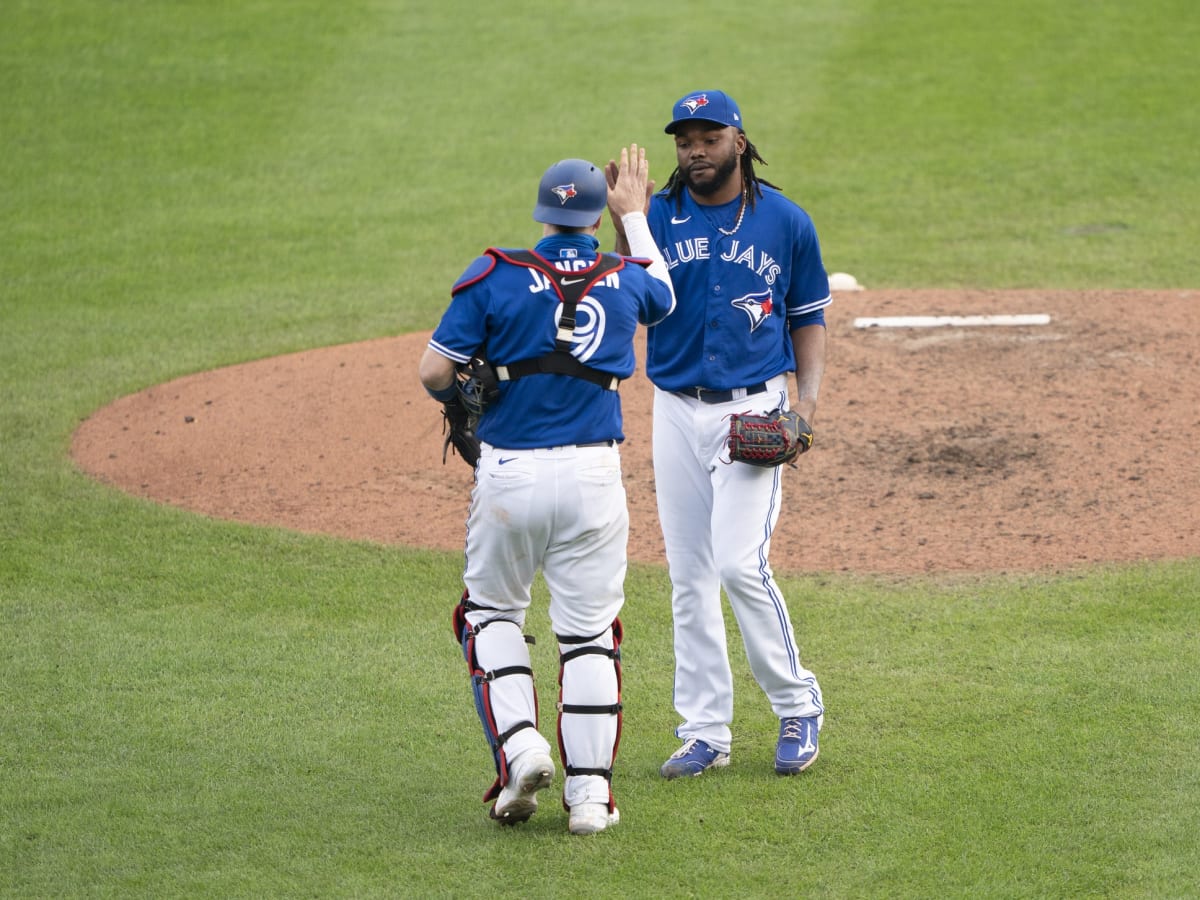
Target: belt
pixel 609 443
pixel 704 395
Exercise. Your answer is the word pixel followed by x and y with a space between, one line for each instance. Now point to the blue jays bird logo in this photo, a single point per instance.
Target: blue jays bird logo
pixel 757 306
pixel 695 103
pixel 564 192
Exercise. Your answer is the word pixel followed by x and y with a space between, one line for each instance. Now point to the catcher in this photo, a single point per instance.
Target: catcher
pixel 540 423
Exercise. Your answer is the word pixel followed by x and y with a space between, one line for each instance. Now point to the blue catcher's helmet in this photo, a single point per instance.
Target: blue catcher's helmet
pixel 573 193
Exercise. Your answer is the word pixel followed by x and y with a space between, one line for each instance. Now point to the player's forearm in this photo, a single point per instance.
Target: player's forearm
pixel 809 344
pixel 435 371
pixel 640 242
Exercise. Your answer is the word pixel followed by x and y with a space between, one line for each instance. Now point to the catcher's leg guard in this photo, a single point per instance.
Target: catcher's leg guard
pixel 589 714
pixel 497 656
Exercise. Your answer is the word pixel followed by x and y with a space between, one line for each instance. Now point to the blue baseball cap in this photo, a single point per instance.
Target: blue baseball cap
pixel 707 106
pixel 572 193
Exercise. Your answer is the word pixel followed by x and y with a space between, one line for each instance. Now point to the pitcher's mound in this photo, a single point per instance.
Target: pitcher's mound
pixel 938 449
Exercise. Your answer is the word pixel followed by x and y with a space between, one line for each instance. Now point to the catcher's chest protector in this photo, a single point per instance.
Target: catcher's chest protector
pixel 571 287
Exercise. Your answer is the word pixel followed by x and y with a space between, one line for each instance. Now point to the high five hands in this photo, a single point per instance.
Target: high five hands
pixel 629 185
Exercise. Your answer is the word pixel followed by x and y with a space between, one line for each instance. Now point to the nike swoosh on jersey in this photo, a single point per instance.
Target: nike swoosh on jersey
pixel 571 280
pixel 677 221
pixel 506 459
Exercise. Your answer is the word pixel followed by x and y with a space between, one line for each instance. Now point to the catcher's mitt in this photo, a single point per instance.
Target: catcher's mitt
pixel 769 439
pixel 459 428
pixel 477 385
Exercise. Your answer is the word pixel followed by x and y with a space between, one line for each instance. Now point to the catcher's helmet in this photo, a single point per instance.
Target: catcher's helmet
pixel 572 193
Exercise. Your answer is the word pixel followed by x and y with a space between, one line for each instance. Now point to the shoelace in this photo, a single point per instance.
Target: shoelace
pixel 791 729
pixel 685 749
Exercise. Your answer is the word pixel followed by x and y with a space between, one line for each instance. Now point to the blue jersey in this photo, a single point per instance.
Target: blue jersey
pixel 511 312
pixel 738 295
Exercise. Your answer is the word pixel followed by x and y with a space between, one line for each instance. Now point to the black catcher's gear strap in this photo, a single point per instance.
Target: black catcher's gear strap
pixel 564 658
pixel 614 709
pixel 571 288
pixel 557 363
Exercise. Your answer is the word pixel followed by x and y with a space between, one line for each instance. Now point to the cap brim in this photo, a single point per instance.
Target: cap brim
pixel 670 129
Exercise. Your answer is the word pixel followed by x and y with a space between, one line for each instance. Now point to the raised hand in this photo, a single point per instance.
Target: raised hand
pixel 629 184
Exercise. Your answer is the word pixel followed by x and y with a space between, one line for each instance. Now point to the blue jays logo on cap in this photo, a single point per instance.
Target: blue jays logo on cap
pixel 708 106
pixel 563 192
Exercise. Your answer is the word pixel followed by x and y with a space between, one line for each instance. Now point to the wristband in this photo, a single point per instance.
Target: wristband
pixel 443 395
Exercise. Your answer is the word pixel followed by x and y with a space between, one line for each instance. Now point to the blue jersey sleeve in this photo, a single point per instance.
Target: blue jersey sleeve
pixel 809 291
pixel 463 328
pixel 656 299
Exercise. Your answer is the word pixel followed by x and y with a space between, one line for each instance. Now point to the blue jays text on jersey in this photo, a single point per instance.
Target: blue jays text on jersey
pixel 512 312
pixel 742 286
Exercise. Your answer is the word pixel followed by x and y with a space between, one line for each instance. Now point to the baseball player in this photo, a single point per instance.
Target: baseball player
pixel 752 290
pixel 556 325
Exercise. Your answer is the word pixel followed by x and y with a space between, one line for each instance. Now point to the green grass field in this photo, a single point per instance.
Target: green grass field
pixel 196 708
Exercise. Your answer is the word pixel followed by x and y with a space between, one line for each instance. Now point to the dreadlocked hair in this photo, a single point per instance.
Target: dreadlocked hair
pixel 751 183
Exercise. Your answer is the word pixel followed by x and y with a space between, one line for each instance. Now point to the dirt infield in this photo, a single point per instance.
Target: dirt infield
pixel 948 449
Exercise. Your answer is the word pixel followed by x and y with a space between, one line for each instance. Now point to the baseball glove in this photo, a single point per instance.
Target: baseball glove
pixel 477 384
pixel 769 439
pixel 459 427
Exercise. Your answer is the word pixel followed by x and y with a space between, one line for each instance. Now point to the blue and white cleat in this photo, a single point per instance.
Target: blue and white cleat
pixel 797 747
pixel 694 758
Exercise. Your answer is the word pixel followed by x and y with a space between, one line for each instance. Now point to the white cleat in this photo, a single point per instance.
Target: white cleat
pixel 531 773
pixel 588 818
